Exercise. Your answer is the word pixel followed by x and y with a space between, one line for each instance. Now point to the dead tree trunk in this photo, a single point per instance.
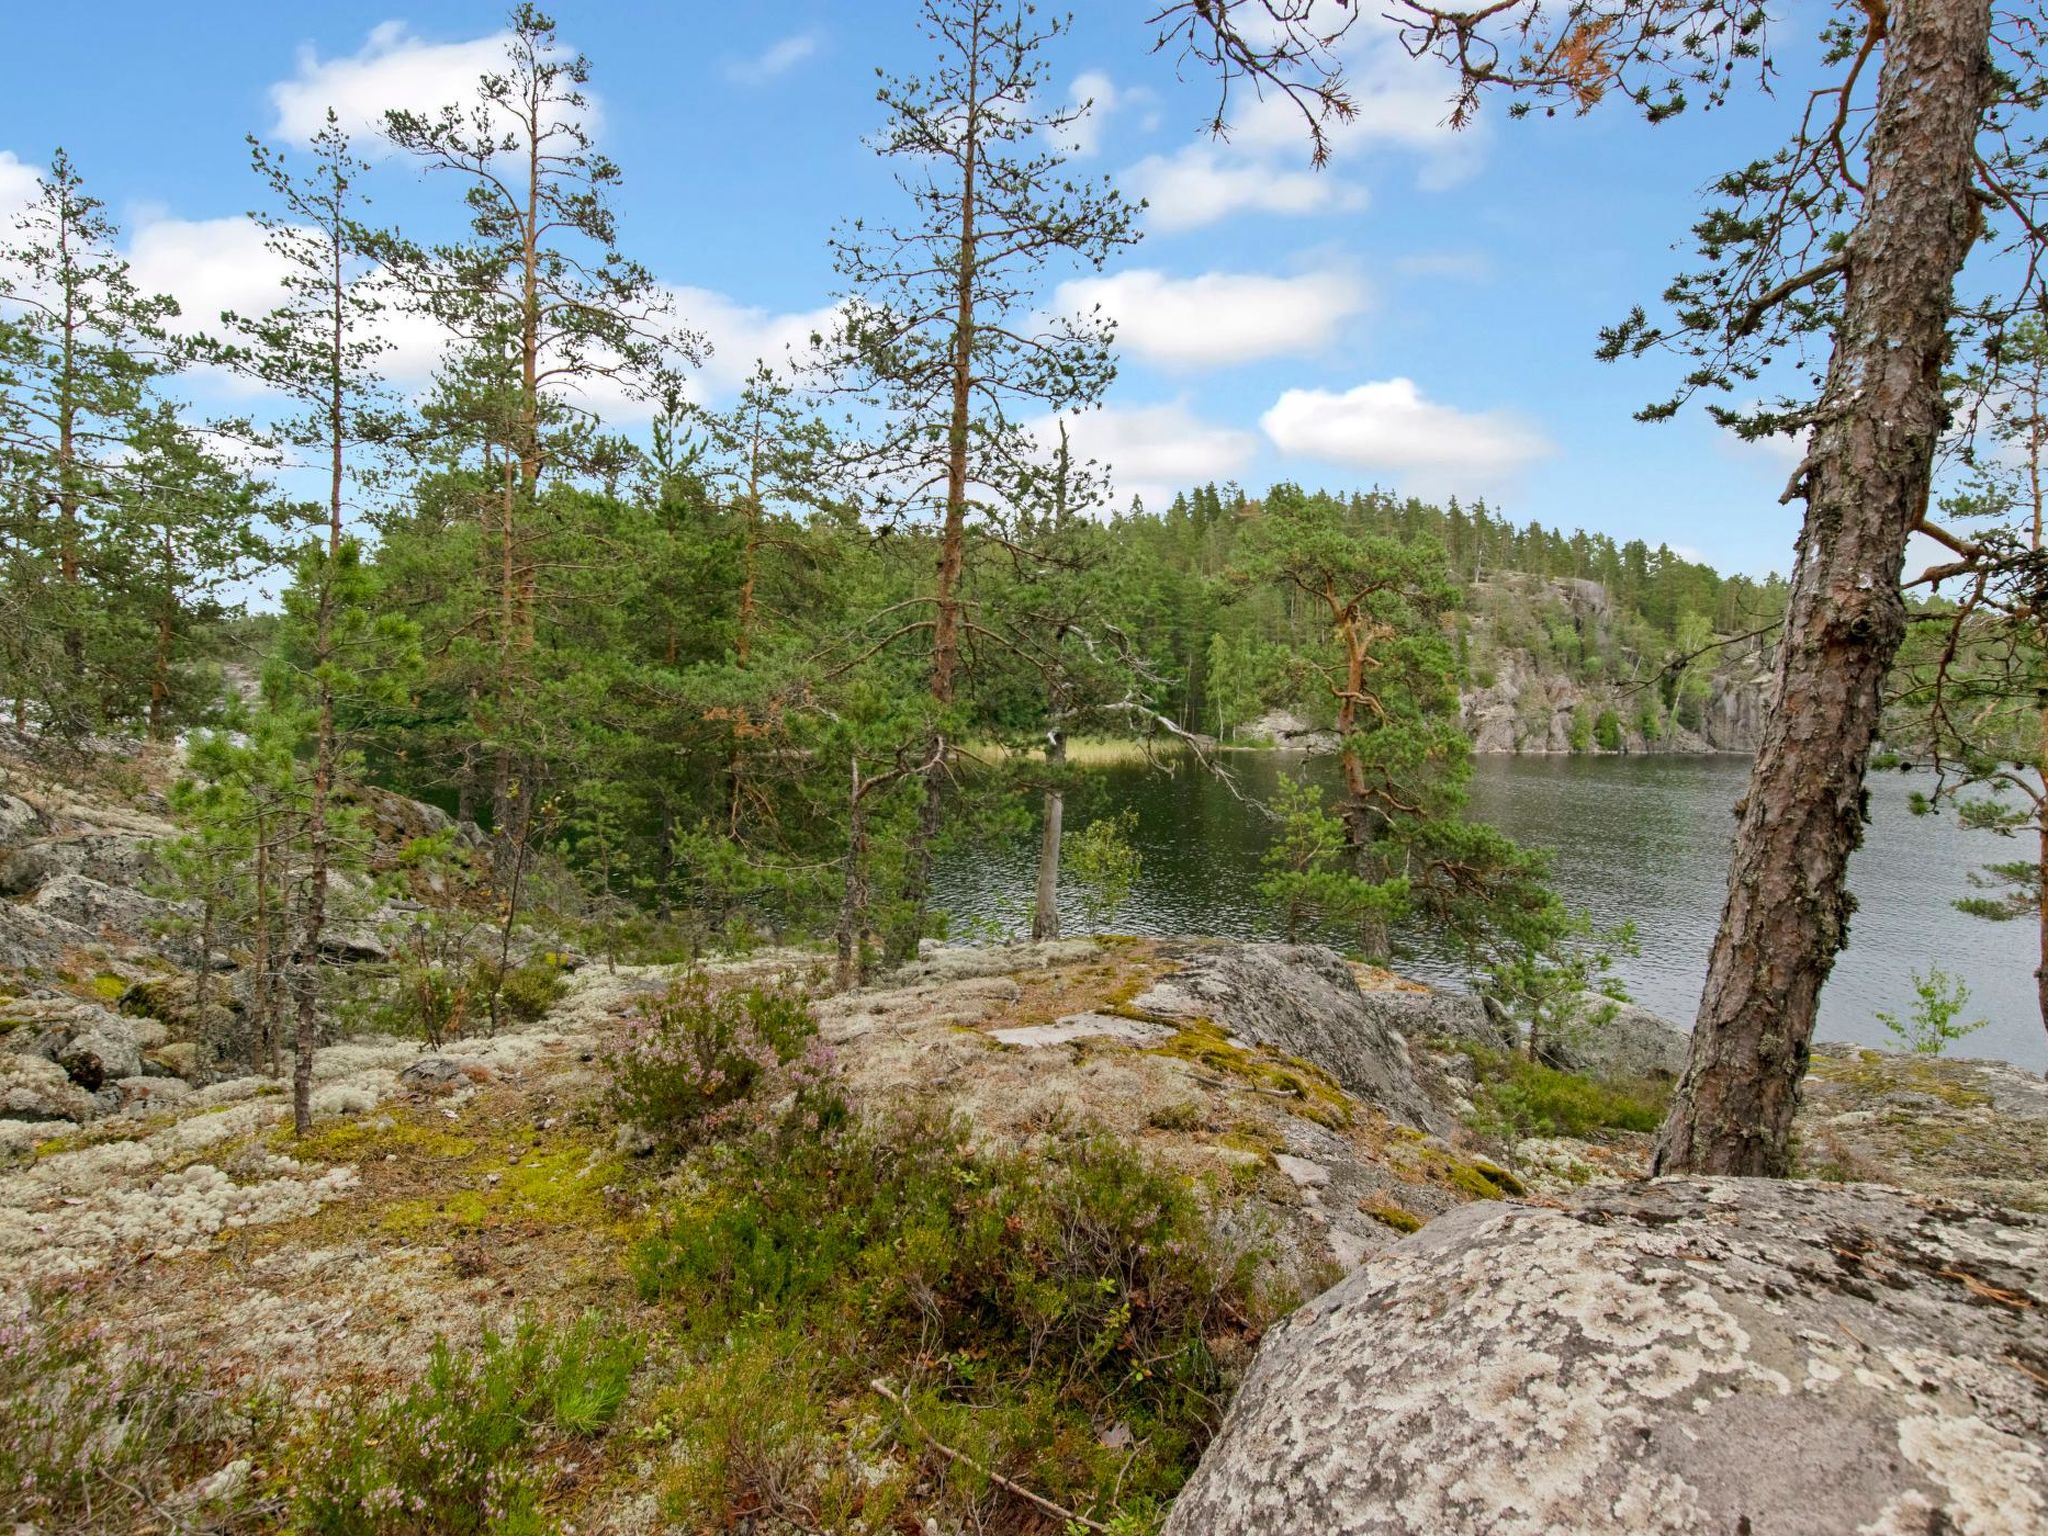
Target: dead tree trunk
pixel 1865 482
pixel 1045 911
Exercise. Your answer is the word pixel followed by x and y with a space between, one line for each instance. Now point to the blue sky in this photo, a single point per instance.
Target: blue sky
pixel 1421 315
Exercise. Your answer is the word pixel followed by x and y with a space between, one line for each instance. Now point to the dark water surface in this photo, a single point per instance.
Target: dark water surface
pixel 1643 838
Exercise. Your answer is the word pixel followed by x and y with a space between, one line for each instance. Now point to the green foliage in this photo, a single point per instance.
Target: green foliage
pixel 1607 731
pixel 453 1455
pixel 1102 867
pixel 1934 1022
pixel 527 992
pixel 1027 1299
pixel 1308 879
pixel 1558 982
pixel 1518 1097
pixel 689 1061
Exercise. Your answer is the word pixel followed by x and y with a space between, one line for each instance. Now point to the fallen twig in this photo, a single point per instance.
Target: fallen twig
pixel 947 1451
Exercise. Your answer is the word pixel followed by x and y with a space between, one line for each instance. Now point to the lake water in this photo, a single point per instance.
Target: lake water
pixel 1643 838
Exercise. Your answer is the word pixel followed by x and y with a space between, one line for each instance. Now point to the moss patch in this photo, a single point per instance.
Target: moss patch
pixel 1877 1075
pixel 1206 1044
pixel 1391 1215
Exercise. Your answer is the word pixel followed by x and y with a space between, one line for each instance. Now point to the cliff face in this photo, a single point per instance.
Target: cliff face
pixel 1526 708
pixel 1549 659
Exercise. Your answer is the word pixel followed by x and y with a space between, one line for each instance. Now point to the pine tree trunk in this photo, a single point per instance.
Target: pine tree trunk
pixel 953 536
pixel 259 1038
pixel 1865 482
pixel 1045 912
pixel 306 973
pixel 2041 899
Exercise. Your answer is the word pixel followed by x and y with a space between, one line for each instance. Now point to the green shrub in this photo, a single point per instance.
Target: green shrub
pixel 1935 1021
pixel 1519 1097
pixel 430 1001
pixel 689 1062
pixel 452 1455
pixel 1023 1302
pixel 1607 731
pixel 528 991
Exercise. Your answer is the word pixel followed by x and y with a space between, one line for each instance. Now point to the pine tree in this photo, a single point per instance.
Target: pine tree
pixel 319 349
pixel 80 349
pixel 940 337
pixel 544 307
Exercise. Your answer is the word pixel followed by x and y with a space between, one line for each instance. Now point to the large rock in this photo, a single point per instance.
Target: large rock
pixel 117 914
pixel 27 868
pixel 1620 1041
pixel 19 821
pixel 32 1088
pixel 1439 1013
pixel 92 1045
pixel 1300 999
pixel 35 942
pixel 1697 1356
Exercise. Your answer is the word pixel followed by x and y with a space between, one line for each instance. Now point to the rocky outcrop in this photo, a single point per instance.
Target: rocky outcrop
pixel 1438 1013
pixel 1704 1356
pixel 1620 1041
pixel 1288 732
pixel 1300 999
pixel 1957 1129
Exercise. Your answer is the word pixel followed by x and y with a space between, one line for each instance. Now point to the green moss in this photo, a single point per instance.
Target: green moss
pixel 1184 1116
pixel 1876 1074
pixel 1207 1044
pixel 108 987
pixel 1393 1216
pixel 560 1187
pixel 364 1140
pixel 1472 1177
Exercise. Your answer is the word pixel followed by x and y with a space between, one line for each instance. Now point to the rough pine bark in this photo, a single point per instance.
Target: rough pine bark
pixel 1865 482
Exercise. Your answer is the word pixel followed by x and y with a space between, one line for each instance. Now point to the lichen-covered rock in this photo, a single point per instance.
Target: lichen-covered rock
pixel 1956 1128
pixel 1621 1041
pixel 116 914
pixel 19 821
pixel 1686 1356
pixel 1439 1013
pixel 1301 999
pixel 32 1088
pixel 443 1074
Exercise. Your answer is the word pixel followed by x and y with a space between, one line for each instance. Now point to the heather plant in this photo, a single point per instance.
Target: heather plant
pixel 93 1437
pixel 698 1062
pixel 1018 1301
pixel 454 1455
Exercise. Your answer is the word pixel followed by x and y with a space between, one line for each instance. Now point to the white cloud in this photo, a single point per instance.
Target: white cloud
pixel 1262 166
pixel 1098 98
pixel 393 69
pixel 1389 426
pixel 1219 318
pixel 740 334
pixel 211 265
pixel 207 265
pixel 1204 182
pixel 1153 450
pixel 777 59
pixel 17 187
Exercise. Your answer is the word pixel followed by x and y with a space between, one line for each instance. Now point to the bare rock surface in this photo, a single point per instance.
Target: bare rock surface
pixel 1684 1356
pixel 1622 1041
pixel 1301 999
